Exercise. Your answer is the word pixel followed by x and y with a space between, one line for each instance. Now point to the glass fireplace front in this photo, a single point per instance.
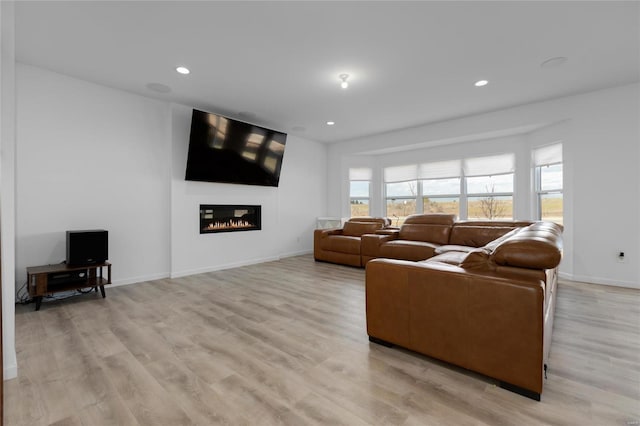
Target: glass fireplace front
pixel 229 218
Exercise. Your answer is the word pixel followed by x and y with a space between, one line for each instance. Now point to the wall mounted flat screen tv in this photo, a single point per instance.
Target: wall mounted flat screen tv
pixel 230 151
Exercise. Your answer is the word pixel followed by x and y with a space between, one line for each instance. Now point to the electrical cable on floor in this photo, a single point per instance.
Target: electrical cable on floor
pixel 22 296
pixel 71 293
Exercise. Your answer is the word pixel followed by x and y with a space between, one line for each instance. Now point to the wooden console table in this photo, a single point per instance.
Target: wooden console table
pixel 49 279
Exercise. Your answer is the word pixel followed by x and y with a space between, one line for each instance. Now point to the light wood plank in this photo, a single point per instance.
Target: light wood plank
pixel 285 343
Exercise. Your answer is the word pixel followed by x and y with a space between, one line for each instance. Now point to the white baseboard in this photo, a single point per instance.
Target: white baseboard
pixel 10 371
pixel 222 267
pixel 139 279
pixel 599 280
pixel 295 253
pixel 185 273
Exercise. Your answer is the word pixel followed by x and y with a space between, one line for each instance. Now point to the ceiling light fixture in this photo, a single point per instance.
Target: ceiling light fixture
pixel 344 78
pixel 183 70
pixel 330 123
pixel 481 83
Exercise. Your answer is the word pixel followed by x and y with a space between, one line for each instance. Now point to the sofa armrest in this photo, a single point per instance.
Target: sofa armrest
pixel 321 233
pixel 370 245
pixel 318 236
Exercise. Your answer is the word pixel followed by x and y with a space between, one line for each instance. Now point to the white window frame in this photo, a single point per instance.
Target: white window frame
pixel 546 156
pixel 362 174
pixel 539 192
pixel 403 197
pixel 436 196
pixel 360 198
pixel 444 170
pixel 468 195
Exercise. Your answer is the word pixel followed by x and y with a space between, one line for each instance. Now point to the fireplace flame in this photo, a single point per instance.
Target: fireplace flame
pixel 228 224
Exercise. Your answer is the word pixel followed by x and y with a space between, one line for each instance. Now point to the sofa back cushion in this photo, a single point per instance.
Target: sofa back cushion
pixel 432 228
pixel 538 246
pixel 477 233
pixel 356 229
pixel 385 221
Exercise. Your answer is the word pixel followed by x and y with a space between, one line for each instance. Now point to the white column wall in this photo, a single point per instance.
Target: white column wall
pixel 7 185
pixel 289 211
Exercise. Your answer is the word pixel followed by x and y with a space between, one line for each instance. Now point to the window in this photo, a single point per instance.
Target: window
pixel 441 187
pixel 548 182
pixel 359 191
pixel 489 187
pixel 400 200
pixel 472 188
pixel 401 192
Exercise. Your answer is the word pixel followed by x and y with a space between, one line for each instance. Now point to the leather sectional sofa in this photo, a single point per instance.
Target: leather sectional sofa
pixel 488 309
pixel 477 294
pixel 344 245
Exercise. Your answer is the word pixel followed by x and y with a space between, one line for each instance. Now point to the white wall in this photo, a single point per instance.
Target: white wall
pixel 600 136
pixel 91 157
pixel 302 194
pixel 88 156
pixel 7 185
pixel 288 211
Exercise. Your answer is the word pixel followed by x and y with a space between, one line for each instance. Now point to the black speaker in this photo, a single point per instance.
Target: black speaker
pixel 87 247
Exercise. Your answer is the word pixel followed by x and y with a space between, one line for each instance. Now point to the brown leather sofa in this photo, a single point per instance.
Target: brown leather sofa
pixel 342 245
pixel 423 235
pixel 488 309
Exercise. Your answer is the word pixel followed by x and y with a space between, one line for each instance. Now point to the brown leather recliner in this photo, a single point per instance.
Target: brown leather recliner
pixel 487 309
pixel 342 245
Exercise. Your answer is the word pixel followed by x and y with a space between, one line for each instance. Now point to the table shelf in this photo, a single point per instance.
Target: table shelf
pixel 49 279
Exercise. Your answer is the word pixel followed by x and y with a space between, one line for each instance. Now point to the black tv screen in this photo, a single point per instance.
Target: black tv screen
pixel 230 151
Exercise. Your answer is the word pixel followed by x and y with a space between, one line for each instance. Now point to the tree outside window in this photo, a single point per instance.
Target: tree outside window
pixel 401 200
pixel 490 197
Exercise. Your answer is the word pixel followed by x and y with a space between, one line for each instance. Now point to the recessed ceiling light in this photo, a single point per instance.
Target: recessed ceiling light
pixel 481 83
pixel 183 70
pixel 330 123
pixel 554 62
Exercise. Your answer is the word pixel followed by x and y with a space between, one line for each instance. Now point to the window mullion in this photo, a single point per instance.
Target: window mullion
pixel 464 211
pixel 419 197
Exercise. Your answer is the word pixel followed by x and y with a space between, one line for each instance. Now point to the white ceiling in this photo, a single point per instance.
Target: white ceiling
pixel 277 63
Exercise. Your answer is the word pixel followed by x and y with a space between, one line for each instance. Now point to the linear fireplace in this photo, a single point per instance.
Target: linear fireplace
pixel 229 218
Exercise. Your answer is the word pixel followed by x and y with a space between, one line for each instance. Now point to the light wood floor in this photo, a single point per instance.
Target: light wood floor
pixel 285 343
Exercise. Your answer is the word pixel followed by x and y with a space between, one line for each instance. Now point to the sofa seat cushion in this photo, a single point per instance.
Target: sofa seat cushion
pixel 341 244
pixel 407 250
